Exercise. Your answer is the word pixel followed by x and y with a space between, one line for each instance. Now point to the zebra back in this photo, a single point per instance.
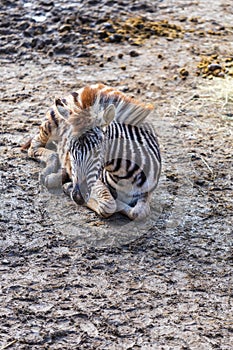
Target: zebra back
pixel 127 110
pixel 132 163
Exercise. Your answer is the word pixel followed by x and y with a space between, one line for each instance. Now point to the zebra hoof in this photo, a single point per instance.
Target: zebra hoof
pixel 139 213
pixel 52 181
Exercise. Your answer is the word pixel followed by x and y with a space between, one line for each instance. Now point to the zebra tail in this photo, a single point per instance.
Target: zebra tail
pixel 26 145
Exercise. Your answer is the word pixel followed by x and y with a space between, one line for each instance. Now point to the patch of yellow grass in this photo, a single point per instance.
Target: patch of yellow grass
pixel 218 90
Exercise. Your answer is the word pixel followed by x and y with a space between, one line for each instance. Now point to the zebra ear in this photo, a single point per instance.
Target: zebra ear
pixel 62 108
pixel 109 114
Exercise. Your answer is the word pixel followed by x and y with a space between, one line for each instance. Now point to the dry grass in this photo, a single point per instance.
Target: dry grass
pixel 220 92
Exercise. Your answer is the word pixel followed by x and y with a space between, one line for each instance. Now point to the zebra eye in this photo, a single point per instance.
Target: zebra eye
pixel 58 102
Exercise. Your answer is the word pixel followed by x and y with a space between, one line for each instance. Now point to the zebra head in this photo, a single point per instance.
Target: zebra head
pixel 85 146
pixel 83 119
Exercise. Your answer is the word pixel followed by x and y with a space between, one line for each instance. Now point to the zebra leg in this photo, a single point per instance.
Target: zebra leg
pixel 38 151
pixel 101 201
pixel 50 158
pixel 139 212
pixel 51 181
pixel 51 175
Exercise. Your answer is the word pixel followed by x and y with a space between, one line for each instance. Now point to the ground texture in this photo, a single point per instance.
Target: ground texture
pixel 70 280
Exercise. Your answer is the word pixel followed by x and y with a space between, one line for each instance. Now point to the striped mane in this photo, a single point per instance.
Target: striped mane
pixel 128 110
pixel 94 99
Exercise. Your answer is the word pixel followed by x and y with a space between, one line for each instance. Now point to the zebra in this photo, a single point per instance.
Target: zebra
pixel 108 156
pixel 115 168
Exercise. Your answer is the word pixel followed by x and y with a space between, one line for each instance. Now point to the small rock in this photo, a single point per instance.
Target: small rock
pixel 124 88
pixel 199 182
pixel 65 28
pixel 115 38
pixel 134 53
pixel 102 34
pixel 184 73
pixel 8 49
pixel 108 26
pixel 5 262
pixel 47 3
pixel 213 66
pixel 110 58
pixel 61 49
pixel 195 96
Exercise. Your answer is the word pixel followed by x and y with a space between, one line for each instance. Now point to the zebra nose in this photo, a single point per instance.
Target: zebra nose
pixel 76 195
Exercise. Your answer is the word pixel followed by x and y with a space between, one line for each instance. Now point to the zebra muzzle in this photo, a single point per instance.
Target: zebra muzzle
pixel 77 196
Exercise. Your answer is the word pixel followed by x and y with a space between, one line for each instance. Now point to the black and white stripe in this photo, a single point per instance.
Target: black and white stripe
pixel 125 158
pixel 132 161
pixel 86 160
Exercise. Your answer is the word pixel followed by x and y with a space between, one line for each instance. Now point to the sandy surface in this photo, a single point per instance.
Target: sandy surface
pixel 70 280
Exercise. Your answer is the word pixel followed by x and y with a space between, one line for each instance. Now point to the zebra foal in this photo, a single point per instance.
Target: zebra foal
pixel 116 169
pixel 109 154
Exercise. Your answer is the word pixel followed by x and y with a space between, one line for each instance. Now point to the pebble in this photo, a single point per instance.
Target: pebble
pixel 124 88
pixel 46 3
pixel 65 28
pixel 5 262
pixel 184 73
pixel 213 66
pixel 109 27
pixel 61 49
pixel 102 34
pixel 221 75
pixel 110 58
pixel 134 53
pixel 23 25
pixel 115 38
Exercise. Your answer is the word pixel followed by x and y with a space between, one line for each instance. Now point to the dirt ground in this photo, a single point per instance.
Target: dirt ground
pixel 70 280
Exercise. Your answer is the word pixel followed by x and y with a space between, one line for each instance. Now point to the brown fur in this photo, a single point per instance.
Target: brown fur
pixel 79 104
pixel 88 96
